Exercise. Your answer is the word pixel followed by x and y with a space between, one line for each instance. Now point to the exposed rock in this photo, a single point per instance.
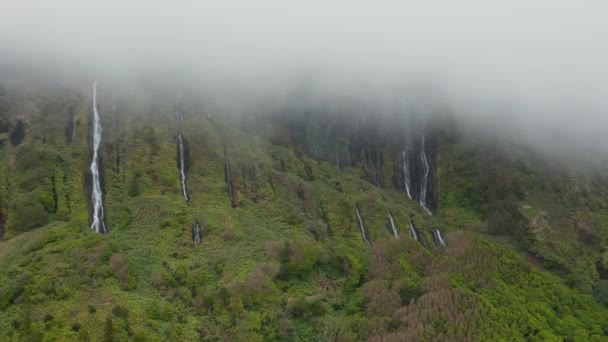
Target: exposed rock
pixel 18 133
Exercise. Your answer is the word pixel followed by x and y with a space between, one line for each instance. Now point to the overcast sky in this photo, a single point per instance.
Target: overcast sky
pixel 544 60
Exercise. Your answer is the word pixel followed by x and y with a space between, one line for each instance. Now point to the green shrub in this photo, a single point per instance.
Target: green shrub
pixel 26 212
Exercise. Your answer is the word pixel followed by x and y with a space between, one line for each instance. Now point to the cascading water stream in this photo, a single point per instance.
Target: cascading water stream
pixel 425 177
pixel 181 151
pixel 196 233
pixel 413 232
pixel 178 103
pixel 393 227
pixel 406 173
pixel 439 239
pixel 362 228
pixel 182 166
pixel 98 225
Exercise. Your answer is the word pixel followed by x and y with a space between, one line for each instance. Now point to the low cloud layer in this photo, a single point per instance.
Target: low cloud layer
pixel 538 68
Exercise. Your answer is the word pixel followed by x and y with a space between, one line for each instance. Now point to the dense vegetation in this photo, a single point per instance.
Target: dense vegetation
pixel 285 261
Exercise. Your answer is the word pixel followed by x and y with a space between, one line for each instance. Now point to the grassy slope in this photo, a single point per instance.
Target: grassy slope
pixel 287 263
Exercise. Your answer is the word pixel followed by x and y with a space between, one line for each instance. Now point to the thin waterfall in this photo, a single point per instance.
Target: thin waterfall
pixel 425 177
pixel 228 177
pixel 209 116
pixel 413 231
pixel 439 239
pixel 98 225
pixel 181 150
pixel 178 104
pixel 406 173
pixel 196 233
pixel 393 227
pixel 362 228
pixel 182 166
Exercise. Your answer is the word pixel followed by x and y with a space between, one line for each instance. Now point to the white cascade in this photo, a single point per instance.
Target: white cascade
pixel 196 233
pixel 393 227
pixel 361 228
pixel 439 238
pixel 425 178
pixel 406 173
pixel 178 101
pixel 98 225
pixel 413 231
pixel 182 166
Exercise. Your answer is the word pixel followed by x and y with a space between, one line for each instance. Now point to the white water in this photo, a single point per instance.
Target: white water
pixel 363 234
pixel 182 167
pixel 439 238
pixel 229 179
pixel 196 233
pixel 178 102
pixel 425 178
pixel 393 227
pixel 406 173
pixel 98 224
pixel 413 231
pixel 209 116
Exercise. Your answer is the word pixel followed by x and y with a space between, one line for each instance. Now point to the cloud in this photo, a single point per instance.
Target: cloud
pixel 537 67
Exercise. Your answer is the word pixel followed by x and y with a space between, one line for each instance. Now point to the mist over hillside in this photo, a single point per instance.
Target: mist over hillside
pixel 303 171
pixel 532 72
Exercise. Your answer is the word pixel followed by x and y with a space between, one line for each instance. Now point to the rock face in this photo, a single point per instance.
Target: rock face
pixel 18 133
pixel 69 126
pixel 228 178
pixel 398 153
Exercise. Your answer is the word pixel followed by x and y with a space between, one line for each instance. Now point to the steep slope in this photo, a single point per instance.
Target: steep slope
pixel 553 211
pixel 281 253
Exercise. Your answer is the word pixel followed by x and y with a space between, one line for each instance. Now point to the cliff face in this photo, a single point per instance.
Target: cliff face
pixel 396 151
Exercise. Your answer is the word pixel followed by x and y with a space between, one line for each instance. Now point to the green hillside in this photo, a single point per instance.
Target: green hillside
pixel 526 238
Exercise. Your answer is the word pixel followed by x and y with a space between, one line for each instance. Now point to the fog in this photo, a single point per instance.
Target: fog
pixel 531 70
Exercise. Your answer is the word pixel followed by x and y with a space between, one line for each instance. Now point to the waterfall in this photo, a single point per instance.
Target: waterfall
pixel 228 178
pixel 393 227
pixel 413 231
pixel 98 225
pixel 182 166
pixel 363 234
pixel 209 116
pixel 178 104
pixel 438 238
pixel 196 233
pixel 425 177
pixel 181 154
pixel 406 173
